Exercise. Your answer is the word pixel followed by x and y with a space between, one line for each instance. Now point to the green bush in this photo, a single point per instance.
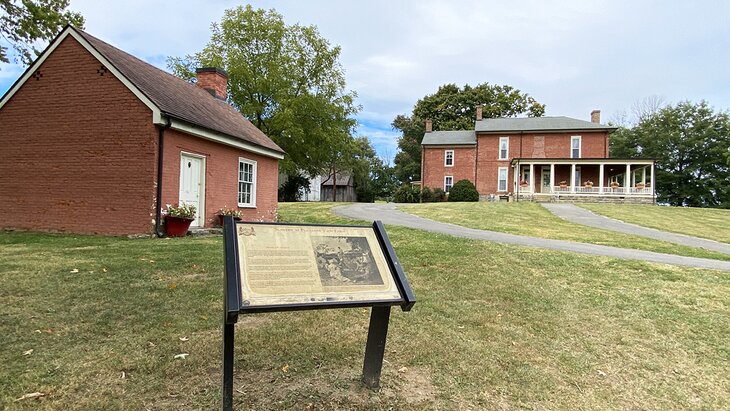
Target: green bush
pixel 407 194
pixel 463 190
pixel 439 195
pixel 426 195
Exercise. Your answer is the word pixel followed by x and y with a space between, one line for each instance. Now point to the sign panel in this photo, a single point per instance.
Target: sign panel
pixel 312 265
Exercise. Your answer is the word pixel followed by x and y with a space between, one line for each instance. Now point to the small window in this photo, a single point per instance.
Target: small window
pixel 502 185
pixel 449 158
pixel 448 183
pixel 503 148
pixel 246 183
pixel 575 147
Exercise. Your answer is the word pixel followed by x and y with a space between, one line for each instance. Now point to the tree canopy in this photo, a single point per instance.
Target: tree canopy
pixel 691 143
pixel 286 79
pixel 24 23
pixel 454 108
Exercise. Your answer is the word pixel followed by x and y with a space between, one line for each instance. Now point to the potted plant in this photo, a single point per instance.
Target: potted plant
pixel 563 184
pixel 640 186
pixel 588 184
pixel 614 184
pixel 523 183
pixel 236 213
pixel 178 219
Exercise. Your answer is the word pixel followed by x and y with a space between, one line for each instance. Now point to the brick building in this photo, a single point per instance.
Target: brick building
pixel 568 158
pixel 97 141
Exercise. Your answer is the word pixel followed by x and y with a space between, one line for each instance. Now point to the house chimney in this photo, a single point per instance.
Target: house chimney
pixel 596 116
pixel 429 126
pixel 479 112
pixel 214 81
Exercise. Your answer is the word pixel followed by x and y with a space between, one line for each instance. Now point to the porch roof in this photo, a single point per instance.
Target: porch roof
pixel 563 160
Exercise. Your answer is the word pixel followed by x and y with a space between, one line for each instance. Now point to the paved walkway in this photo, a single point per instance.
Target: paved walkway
pixel 388 214
pixel 579 215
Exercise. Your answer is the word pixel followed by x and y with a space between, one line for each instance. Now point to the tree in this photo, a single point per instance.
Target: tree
pixel 691 143
pixel 453 108
pixel 286 79
pixel 24 23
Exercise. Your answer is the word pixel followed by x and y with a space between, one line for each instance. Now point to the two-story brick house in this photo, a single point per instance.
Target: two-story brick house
pixel 535 158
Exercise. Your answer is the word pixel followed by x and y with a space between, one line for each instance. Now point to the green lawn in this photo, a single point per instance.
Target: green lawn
pixel 710 223
pixel 531 219
pixel 495 327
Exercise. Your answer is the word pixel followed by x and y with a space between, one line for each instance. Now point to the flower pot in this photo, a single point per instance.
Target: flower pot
pixel 176 226
pixel 220 219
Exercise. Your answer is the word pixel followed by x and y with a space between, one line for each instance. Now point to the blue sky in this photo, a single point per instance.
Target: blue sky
pixel 573 56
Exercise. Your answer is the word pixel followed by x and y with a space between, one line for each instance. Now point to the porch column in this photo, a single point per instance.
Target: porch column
pixel 653 182
pixel 627 178
pixel 643 176
pixel 532 178
pixel 572 178
pixel 600 178
pixel 552 177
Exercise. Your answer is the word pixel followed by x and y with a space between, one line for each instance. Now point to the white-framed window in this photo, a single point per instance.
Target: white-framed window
pixel 246 182
pixel 448 183
pixel 502 180
pixel 503 148
pixel 575 147
pixel 449 158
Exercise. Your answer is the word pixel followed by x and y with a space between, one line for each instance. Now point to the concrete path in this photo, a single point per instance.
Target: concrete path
pixel 388 214
pixel 579 215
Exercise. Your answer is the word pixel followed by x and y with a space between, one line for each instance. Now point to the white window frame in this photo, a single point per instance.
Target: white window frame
pixel 499 180
pixel 244 160
pixel 447 187
pixel 506 152
pixel 446 158
pixel 580 146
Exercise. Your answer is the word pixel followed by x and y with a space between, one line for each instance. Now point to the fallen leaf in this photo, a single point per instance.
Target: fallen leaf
pixel 74 271
pixel 181 356
pixel 124 375
pixel 173 286
pixel 103 269
pixel 29 352
pixel 202 317
pixel 402 369
pixel 152 261
pixel 285 368
pixel 183 339
pixel 30 396
pixel 601 373
pixel 37 331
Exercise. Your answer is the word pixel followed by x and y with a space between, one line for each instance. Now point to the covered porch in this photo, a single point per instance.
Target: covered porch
pixel 583 179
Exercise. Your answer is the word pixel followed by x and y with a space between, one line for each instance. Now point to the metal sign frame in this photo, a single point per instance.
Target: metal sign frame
pixel 380 309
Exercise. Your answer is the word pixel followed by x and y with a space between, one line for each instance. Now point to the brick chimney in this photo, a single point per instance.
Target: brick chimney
pixel 479 112
pixel 214 81
pixel 596 116
pixel 429 126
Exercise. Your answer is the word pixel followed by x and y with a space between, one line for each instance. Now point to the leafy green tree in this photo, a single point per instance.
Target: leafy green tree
pixel 453 108
pixel 691 143
pixel 463 190
pixel 24 23
pixel 286 79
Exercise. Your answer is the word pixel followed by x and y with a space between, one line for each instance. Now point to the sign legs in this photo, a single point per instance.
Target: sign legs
pixel 375 347
pixel 228 333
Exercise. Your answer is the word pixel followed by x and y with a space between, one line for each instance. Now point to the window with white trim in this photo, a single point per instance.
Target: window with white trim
pixel 246 182
pixel 503 148
pixel 575 147
pixel 502 181
pixel 449 158
pixel 448 183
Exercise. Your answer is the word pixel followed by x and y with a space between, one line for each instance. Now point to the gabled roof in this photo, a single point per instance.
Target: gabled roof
pixel 450 138
pixel 560 123
pixel 343 179
pixel 190 108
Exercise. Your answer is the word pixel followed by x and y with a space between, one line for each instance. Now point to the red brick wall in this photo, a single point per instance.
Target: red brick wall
pixel 435 170
pixel 221 176
pixel 78 151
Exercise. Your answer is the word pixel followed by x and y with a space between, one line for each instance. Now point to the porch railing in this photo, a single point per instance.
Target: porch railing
pixel 608 191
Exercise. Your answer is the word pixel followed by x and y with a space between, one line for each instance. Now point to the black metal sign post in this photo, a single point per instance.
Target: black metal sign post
pixel 379 317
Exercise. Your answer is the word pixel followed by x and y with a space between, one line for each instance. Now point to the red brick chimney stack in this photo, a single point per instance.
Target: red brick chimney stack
pixel 479 112
pixel 214 81
pixel 429 126
pixel 596 116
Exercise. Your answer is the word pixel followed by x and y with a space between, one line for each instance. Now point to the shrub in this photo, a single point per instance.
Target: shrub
pixel 407 194
pixel 426 195
pixel 463 190
pixel 439 195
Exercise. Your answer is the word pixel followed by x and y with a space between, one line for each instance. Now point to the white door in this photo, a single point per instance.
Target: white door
pixel 545 186
pixel 192 185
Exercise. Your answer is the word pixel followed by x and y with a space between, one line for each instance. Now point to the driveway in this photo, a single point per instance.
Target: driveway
pixel 388 214
pixel 579 215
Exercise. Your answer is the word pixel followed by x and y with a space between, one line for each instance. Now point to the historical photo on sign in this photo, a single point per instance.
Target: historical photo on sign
pixel 289 264
pixel 345 260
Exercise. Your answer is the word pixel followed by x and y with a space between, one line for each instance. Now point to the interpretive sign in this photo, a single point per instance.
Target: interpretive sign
pixel 281 267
